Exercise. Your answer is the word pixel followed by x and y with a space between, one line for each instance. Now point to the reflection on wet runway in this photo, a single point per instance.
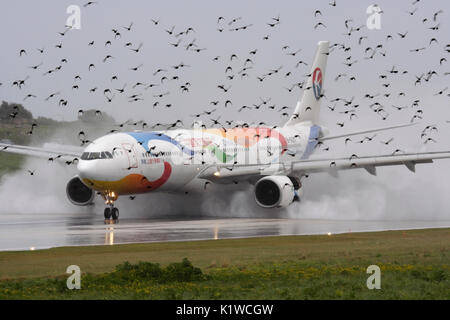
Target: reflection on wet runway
pixel 109 235
pixel 29 232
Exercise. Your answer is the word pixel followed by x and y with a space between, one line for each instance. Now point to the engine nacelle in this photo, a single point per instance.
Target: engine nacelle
pixel 78 193
pixel 275 191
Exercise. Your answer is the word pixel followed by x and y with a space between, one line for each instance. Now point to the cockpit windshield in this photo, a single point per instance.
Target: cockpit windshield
pixel 96 155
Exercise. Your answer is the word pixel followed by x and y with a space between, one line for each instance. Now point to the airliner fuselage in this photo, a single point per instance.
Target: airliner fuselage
pixel 141 162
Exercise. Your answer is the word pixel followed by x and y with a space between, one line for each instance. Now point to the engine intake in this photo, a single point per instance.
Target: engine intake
pixel 274 191
pixel 78 193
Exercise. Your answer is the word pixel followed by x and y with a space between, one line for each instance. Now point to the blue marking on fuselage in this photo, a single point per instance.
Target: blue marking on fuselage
pixel 312 141
pixel 145 137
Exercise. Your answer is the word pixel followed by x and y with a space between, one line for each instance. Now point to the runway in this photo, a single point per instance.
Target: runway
pixel 31 232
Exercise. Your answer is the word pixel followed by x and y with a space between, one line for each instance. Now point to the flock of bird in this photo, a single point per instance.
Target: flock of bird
pixel 242 66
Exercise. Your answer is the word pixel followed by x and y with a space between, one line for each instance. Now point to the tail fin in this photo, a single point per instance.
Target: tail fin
pixel 308 107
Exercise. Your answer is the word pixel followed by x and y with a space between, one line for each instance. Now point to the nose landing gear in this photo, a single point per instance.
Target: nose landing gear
pixel 111 213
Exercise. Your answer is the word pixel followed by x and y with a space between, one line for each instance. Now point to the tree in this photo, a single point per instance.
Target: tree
pixel 14 111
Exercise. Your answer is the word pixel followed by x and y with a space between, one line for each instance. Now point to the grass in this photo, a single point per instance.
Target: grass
pixel 414 264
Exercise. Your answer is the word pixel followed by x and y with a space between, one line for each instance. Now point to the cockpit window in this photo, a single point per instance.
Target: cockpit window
pixel 108 155
pixel 96 155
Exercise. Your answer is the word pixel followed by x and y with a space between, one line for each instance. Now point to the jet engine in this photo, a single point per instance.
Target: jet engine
pixel 78 193
pixel 276 191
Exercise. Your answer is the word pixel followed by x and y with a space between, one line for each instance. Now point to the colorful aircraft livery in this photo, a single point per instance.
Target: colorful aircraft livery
pixel 317 83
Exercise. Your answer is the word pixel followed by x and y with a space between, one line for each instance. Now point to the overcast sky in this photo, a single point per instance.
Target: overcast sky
pixel 35 24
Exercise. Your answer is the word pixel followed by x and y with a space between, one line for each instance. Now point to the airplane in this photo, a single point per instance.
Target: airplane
pixel 273 159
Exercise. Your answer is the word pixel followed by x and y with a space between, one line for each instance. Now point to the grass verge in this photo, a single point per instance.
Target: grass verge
pixel 414 264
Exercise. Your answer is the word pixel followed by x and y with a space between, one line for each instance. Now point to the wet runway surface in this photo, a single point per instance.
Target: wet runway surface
pixel 28 232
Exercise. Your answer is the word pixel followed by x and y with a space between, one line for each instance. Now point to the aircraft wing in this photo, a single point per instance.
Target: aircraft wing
pixel 333 166
pixel 58 152
pixel 369 163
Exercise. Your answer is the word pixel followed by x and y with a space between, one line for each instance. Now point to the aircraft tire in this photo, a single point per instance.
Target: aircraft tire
pixel 107 213
pixel 115 213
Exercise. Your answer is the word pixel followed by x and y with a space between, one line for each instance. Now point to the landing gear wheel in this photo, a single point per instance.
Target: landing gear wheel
pixel 115 213
pixel 107 213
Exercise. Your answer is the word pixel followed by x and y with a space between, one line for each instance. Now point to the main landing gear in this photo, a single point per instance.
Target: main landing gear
pixel 111 213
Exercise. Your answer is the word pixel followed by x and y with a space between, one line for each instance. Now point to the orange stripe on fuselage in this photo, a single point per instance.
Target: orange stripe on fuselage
pixel 131 184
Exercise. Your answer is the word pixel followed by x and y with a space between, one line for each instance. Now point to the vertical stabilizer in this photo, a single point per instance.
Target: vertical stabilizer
pixel 308 107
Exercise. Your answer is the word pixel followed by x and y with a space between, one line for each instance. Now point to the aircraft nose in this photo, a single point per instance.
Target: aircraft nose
pixel 86 169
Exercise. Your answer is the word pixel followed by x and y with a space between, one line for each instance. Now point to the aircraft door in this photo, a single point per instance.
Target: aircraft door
pixel 131 154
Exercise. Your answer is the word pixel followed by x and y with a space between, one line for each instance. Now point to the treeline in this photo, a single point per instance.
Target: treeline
pixel 18 126
pixel 17 113
pixel 13 113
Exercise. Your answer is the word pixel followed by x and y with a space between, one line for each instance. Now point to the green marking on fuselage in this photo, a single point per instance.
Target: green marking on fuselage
pixel 220 155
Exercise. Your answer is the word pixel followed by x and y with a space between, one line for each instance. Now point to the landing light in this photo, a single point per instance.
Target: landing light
pixel 217 173
pixel 329 233
pixel 110 197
